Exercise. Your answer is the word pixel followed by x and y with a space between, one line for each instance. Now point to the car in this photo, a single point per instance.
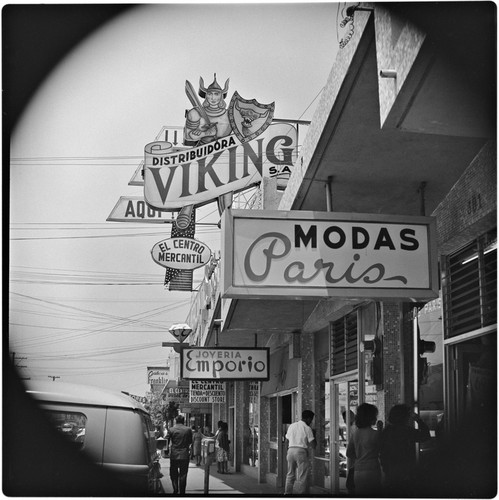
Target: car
pixel 112 429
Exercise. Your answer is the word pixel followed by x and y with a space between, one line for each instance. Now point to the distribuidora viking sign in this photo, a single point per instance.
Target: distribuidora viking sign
pixel 315 254
pixel 203 363
pixel 227 150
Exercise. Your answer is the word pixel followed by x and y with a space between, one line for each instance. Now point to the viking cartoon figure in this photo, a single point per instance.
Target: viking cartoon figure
pixel 208 121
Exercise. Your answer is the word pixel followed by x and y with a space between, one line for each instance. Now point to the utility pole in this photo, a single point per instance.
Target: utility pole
pixel 53 377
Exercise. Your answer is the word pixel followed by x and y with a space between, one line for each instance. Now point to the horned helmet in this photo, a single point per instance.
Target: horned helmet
pixel 213 86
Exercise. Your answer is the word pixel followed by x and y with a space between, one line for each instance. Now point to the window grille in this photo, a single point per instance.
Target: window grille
pixel 470 286
pixel 344 344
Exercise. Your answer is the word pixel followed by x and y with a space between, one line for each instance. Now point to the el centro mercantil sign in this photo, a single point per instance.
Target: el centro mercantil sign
pixel 181 253
pixel 220 363
pixel 299 254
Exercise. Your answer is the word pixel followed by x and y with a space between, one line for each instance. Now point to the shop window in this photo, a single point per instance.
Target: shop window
pixel 474 380
pixel 344 344
pixel 252 446
pixel 431 388
pixel 470 286
pixel 322 424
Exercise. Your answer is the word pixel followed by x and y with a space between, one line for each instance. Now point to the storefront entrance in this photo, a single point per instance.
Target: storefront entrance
pixel 282 414
pixel 344 402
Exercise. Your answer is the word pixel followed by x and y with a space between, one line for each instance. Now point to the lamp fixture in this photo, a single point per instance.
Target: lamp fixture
pixel 388 73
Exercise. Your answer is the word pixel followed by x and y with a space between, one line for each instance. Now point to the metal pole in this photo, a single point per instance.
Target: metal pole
pixel 207 463
pixel 329 194
pixel 207 474
pixel 415 371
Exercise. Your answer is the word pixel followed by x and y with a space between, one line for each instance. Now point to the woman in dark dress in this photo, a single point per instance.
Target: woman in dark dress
pixel 398 451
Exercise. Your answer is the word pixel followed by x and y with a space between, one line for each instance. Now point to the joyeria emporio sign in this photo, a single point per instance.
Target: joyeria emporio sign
pixel 204 363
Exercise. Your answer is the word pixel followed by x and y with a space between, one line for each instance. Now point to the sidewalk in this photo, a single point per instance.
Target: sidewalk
pixel 234 483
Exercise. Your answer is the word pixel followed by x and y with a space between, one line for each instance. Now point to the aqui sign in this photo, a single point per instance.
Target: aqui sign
pixel 135 209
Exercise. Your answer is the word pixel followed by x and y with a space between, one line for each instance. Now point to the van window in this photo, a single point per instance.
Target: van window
pixel 125 440
pixel 148 429
pixel 71 425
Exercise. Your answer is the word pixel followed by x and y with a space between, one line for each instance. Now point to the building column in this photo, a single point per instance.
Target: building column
pixel 306 374
pixel 397 358
pixel 242 397
pixel 263 441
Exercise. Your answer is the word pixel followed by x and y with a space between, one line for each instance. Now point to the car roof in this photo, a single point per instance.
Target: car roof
pixel 63 392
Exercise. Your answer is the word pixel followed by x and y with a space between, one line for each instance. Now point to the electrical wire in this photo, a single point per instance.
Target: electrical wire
pixel 53 308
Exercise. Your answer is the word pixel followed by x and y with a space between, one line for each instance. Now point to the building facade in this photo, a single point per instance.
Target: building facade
pixel 405 126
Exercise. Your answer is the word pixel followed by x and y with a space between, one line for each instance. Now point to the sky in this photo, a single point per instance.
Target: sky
pixel 87 304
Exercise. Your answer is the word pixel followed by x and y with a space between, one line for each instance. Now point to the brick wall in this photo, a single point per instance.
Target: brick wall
pixel 470 207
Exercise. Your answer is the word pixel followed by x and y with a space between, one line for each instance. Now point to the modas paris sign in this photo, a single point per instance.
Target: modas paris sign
pixel 226 149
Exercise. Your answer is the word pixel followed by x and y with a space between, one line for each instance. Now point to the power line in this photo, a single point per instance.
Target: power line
pixel 109 226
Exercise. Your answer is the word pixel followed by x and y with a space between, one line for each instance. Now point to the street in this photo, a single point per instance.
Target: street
pixel 234 483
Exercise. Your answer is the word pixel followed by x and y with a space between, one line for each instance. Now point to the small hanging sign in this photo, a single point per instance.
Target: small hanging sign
pixel 181 253
pixel 180 331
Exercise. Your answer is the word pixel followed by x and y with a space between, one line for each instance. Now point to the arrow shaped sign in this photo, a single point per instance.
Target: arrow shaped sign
pixel 135 209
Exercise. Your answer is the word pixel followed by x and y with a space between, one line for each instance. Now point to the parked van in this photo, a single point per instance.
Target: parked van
pixel 112 429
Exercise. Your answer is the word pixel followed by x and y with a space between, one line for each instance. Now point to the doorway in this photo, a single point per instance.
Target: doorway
pixel 282 412
pixel 344 402
pixel 286 419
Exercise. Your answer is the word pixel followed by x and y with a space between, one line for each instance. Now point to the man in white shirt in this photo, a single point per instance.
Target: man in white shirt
pixel 300 438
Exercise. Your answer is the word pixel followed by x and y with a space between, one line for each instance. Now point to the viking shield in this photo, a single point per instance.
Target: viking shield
pixel 249 119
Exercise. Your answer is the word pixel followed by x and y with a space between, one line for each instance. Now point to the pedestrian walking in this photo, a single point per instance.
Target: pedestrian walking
pixel 300 437
pixel 398 451
pixel 363 452
pixel 197 436
pixel 223 448
pixel 180 438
